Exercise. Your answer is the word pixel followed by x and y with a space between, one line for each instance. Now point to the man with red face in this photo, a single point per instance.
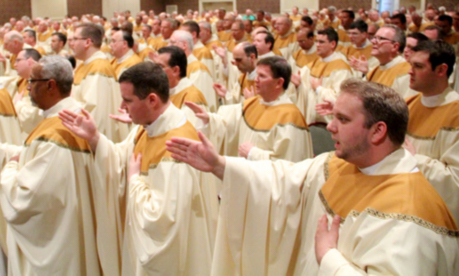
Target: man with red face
pixel 433 126
pixel 266 126
pixel 274 215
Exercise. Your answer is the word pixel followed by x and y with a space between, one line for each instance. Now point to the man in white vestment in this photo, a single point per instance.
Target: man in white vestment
pixel 265 126
pixel 386 217
pixel 163 206
pixel 433 129
pixel 47 190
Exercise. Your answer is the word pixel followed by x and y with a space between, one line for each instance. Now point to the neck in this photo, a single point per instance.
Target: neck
pixel 272 96
pixel 161 109
pixel 89 53
pixel 386 59
pixel 436 88
pixel 173 82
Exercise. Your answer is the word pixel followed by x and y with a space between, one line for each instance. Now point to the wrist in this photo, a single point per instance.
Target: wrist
pixel 94 141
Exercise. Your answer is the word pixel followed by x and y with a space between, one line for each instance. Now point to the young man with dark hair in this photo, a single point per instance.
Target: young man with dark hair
pixel 164 211
pixel 95 83
pixel 274 216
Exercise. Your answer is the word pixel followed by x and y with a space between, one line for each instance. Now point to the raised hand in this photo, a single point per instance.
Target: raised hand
pixel 18 96
pixel 315 82
pixel 326 239
pixel 82 126
pixel 199 111
pixel 200 155
pixel 249 92
pixel 134 165
pixel 220 90
pixel 359 64
pixel 296 79
pixel 123 117
pixel 325 108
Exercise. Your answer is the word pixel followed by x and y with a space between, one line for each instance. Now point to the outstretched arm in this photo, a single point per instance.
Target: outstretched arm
pixel 200 155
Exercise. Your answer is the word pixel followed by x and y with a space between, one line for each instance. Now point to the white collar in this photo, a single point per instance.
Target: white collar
pixel 66 103
pixel 283 99
pixel 182 84
pixel 171 118
pixel 446 97
pixel 96 55
pixel 399 161
pixel 268 54
pixel 128 54
pixel 395 61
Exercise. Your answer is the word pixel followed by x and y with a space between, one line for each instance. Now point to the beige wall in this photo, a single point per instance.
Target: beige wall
pixel 55 9
pixel 109 6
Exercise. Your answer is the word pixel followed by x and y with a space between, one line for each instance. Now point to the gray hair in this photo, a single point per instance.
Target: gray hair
pixel 59 69
pixel 205 25
pixel 398 37
pixel 184 36
pixel 15 35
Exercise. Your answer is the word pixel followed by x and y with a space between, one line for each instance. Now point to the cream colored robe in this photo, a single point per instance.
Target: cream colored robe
pixel 201 77
pixel 333 70
pixel 46 200
pixel 277 129
pixel 269 213
pixel 10 130
pixel 235 95
pixel 203 54
pixel 434 131
pixel 96 88
pixel 170 215
pixel 286 44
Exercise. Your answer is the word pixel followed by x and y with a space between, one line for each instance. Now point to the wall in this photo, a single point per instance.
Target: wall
pixel 54 9
pixel 272 6
pixel 16 8
pixel 80 7
pixel 156 5
pixel 344 4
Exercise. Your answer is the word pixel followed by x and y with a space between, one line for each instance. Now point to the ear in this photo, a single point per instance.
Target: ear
pixel 442 70
pixel 280 83
pixel 378 133
pixel 152 99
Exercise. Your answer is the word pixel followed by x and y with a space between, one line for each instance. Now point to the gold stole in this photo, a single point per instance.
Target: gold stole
pixel 261 117
pixel 427 122
pixel 324 69
pixel 190 94
pixel 388 76
pixel 52 130
pixel 153 149
pixel 398 196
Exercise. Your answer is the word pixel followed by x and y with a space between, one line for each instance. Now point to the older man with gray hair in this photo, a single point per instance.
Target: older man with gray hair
pixel 47 188
pixel 196 71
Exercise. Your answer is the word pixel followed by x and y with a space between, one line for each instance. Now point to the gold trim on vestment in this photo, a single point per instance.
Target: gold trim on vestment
pixel 57 143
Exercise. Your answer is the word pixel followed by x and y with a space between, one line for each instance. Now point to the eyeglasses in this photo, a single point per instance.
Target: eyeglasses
pixel 380 39
pixel 30 81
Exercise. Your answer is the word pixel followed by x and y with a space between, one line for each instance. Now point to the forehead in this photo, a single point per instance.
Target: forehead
pixel 386 32
pixel 163 59
pixel 264 69
pixel 348 104
pixel 260 36
pixel 420 57
pixel 21 54
pixel 322 37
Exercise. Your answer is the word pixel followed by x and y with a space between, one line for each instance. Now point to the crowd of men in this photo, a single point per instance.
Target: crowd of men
pixel 128 146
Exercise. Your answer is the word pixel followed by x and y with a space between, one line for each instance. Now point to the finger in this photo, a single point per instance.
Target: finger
pixel 122 110
pixel 334 228
pixel 206 142
pixel 66 117
pixel 138 160
pixel 322 225
pixel 196 108
pixel 85 113
pixel 176 141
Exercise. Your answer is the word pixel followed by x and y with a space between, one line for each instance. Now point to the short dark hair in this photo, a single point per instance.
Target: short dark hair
pixel 62 37
pixel 350 13
pixel 380 104
pixel 249 49
pixel 128 27
pixel 399 16
pixel 418 36
pixel 269 38
pixel 147 78
pixel 193 27
pixel 279 68
pixel 438 29
pixel 307 19
pixel 446 18
pixel 32 53
pixel 331 34
pixel 177 58
pixel 440 52
pixel 399 36
pixel 128 38
pixel 92 31
pixel 360 25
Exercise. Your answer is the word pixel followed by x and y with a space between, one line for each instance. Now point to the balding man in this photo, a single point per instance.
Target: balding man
pixel 121 48
pixel 13 43
pixel 286 39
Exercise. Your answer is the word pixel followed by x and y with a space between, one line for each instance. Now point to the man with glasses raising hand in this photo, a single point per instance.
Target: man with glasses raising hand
pixel 388 44
pixel 95 84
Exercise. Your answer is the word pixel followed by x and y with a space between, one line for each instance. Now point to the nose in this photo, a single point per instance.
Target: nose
pixel 331 126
